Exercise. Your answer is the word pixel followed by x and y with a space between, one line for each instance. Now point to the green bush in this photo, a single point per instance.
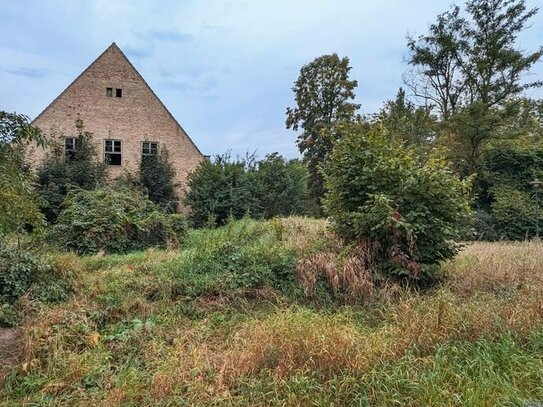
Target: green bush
pixel 402 213
pixel 18 270
pixel 508 167
pixel 514 213
pixel 236 188
pixel 113 221
pixel 23 272
pixel 219 190
pixel 157 176
pixel 281 186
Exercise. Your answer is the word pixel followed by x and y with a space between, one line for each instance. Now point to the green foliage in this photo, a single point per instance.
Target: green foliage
pixel 413 125
pixel 405 214
pixel 157 176
pixel 514 213
pixel 228 188
pixel 281 186
pixel 60 173
pixel 17 272
pixel 241 255
pixel 323 94
pixel 18 204
pixel 470 69
pixel 23 272
pixel 220 189
pixel 113 221
pixel 506 195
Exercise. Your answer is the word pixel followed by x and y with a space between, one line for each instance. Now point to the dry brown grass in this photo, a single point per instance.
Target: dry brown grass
pixel 487 267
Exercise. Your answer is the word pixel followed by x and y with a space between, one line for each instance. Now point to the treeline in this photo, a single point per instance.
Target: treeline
pixel 468 83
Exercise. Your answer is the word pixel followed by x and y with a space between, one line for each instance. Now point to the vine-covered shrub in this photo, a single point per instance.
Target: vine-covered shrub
pixel 62 171
pixel 402 212
pixel 114 221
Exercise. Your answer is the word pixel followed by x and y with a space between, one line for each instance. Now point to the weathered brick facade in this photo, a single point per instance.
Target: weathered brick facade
pixel 137 116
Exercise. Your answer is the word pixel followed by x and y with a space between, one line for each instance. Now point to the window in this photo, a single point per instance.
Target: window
pixel 109 92
pixel 119 93
pixel 113 153
pixel 71 144
pixel 149 148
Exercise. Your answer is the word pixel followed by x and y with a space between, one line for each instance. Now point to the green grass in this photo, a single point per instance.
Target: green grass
pixel 226 320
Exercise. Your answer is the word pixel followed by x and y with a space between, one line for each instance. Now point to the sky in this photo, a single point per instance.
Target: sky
pixel 225 69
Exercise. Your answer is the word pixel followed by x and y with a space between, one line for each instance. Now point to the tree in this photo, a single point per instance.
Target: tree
pixel 157 176
pixel 18 203
pixel 282 186
pixel 221 189
pixel 436 76
pixel 402 213
pixel 323 94
pixel 64 170
pixel 471 71
pixel 403 121
pixel 473 57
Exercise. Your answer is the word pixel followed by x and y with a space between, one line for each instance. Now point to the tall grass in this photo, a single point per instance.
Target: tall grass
pixel 185 328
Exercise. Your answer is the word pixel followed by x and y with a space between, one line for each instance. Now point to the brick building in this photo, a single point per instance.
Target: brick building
pixel 124 115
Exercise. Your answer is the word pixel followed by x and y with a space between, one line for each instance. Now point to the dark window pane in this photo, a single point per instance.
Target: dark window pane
pixel 109 92
pixel 113 159
pixel 118 93
pixel 69 144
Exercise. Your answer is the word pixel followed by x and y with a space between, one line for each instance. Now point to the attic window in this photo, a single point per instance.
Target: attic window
pixel 109 92
pixel 119 93
pixel 149 148
pixel 113 152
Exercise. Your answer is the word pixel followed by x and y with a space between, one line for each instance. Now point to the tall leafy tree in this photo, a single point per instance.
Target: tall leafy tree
pixel 324 96
pixel 470 69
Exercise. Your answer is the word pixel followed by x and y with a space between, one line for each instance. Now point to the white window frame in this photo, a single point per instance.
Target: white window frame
pixel 107 153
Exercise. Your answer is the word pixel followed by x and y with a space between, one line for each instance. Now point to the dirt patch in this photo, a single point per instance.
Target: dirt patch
pixel 9 350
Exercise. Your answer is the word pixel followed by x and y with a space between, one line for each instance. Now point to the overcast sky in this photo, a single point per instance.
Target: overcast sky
pixel 225 69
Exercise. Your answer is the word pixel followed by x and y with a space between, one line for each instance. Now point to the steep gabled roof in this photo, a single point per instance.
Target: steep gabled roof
pixel 115 48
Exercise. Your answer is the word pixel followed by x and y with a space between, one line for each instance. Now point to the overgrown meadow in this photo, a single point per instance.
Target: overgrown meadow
pixel 268 313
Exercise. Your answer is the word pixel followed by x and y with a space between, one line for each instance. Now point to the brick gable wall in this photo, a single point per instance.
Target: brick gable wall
pixel 135 117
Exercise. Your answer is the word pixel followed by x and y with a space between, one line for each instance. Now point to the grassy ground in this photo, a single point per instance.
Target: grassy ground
pixel 260 313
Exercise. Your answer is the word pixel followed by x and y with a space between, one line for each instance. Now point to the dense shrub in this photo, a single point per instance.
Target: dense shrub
pixel 113 221
pixel 403 214
pixel 157 176
pixel 281 186
pixel 17 272
pixel 220 189
pixel 235 188
pixel 508 167
pixel 24 272
pixel 59 173
pixel 513 213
